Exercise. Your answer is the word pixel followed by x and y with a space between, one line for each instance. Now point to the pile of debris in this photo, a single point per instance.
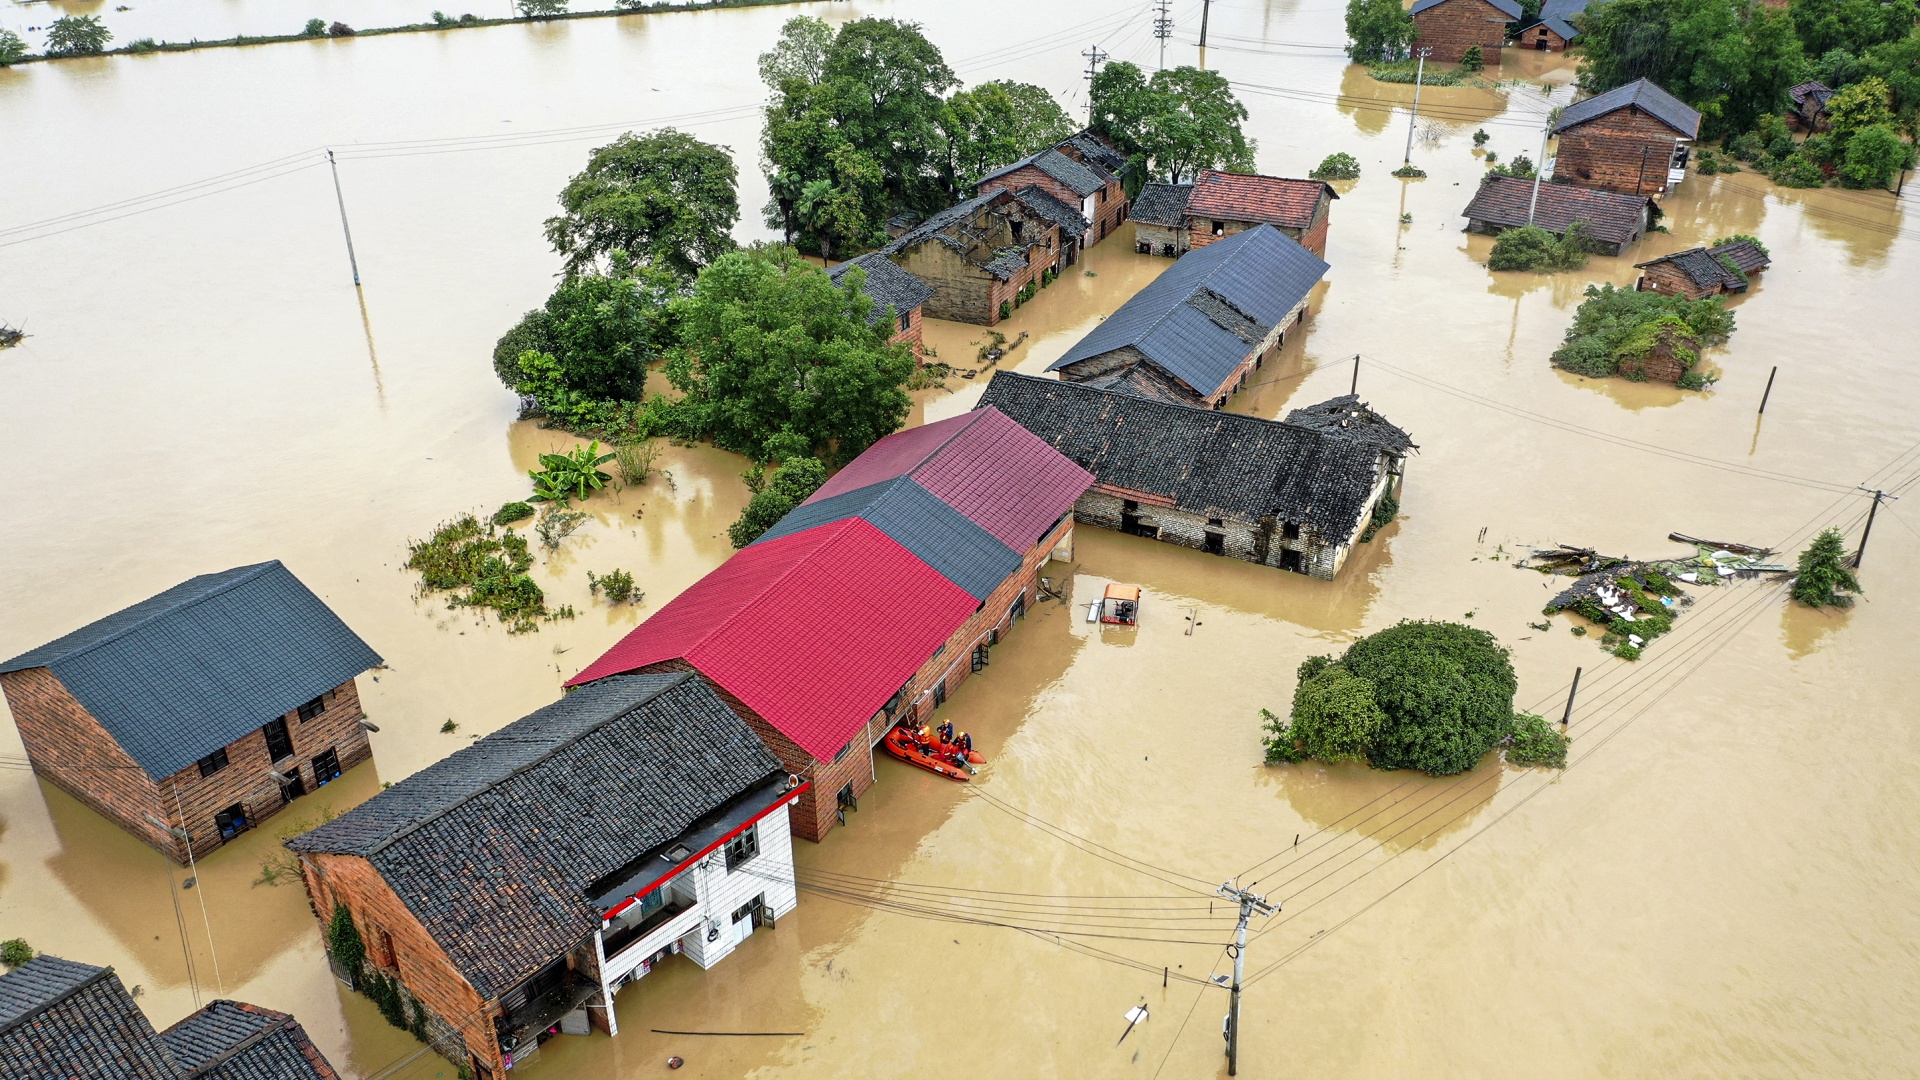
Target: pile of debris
pixel 1637 601
pixel 10 336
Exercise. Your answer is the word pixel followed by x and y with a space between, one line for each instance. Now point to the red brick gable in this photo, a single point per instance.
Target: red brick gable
pixel 1282 203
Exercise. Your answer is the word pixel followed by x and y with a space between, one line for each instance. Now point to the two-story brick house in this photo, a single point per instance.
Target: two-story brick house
pixel 1082 171
pixel 192 715
pixel 976 256
pixel 870 602
pixel 514 887
pixel 1450 27
pixel 1635 138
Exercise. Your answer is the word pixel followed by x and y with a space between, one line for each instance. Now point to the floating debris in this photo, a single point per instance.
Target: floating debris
pixel 1637 601
pixel 10 335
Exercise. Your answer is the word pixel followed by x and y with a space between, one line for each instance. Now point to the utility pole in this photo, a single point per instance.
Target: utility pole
pixel 1868 531
pixel 1419 72
pixel 351 261
pixel 1566 718
pixel 1095 57
pixel 1539 170
pixel 1250 905
pixel 1163 27
pixel 1355 388
pixel 1769 390
pixel 1206 9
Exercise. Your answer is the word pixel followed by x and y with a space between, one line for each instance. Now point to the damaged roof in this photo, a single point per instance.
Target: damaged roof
pixel 493 848
pixel 1704 268
pixel 1276 200
pixel 1746 256
pixel 1641 94
pixel 1082 179
pixel 230 1040
pixel 1609 216
pixel 887 284
pixel 1162 204
pixel 1094 150
pixel 1208 463
pixel 1350 418
pixel 1051 208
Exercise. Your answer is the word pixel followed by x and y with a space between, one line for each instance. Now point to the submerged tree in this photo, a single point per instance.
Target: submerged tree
pixel 77 35
pixel 1732 59
pixel 1378 31
pixel 1824 576
pixel 12 48
pixel 665 198
pixel 994 124
pixel 792 484
pixel 1178 122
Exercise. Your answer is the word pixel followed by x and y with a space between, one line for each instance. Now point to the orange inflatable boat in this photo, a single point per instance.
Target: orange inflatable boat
pixel 906 745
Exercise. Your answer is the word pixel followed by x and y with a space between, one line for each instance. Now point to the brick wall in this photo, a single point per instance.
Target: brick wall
pixel 911 335
pixel 1313 237
pixel 1541 38
pixel 70 748
pixel 1162 240
pixel 1108 206
pixel 1449 28
pixel 1625 150
pixel 1670 279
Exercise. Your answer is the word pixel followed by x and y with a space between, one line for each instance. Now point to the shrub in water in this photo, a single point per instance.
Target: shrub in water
pixel 1823 573
pixel 1337 167
pixel 1534 742
pixel 512 512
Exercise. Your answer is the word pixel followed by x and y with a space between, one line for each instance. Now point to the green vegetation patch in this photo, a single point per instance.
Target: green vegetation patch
pixel 1616 331
pixel 1339 166
pixel 1531 247
pixel 1824 575
pixel 483 565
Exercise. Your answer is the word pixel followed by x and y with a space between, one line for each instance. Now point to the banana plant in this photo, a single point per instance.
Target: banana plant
pixel 569 476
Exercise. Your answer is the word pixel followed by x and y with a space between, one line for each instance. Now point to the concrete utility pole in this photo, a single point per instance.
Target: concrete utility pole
pixel 1566 718
pixel 1095 57
pixel 1206 9
pixel 1163 27
pixel 1419 72
pixel 1250 905
pixel 351 261
pixel 1539 170
pixel 1868 531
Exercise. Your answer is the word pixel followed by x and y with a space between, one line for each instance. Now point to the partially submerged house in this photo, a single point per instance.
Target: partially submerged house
pixel 1198 330
pixel 513 888
pixel 1554 30
pixel 1160 219
pixel 1223 204
pixel 1082 171
pixel 1634 138
pixel 1450 27
pixel 870 602
pixel 1810 105
pixel 62 1020
pixel 1700 272
pixel 897 296
pixel 976 256
pixel 1293 494
pixel 192 715
pixel 1613 220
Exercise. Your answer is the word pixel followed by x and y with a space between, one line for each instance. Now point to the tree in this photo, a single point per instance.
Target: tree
pixel 792 484
pixel 775 362
pixel 1862 105
pixel 665 198
pixel 1897 64
pixel 1472 61
pixel 888 85
pixel 801 53
pixel 845 210
pixel 1823 573
pixel 1378 31
pixel 994 124
pixel 1732 59
pixel 1852 25
pixel 77 35
pixel 1445 692
pixel 1335 716
pixel 1121 104
pixel 1337 166
pixel 601 331
pixel 12 48
pixel 540 9
pixel 1531 247
pixel 1873 156
pixel 1194 124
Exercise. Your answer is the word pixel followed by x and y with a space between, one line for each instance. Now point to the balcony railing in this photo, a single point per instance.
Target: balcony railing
pixel 618 941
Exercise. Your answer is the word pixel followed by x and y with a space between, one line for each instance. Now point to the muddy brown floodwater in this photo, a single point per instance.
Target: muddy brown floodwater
pixel 1721 885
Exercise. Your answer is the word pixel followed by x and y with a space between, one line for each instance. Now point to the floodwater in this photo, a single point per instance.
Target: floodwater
pixel 1717 886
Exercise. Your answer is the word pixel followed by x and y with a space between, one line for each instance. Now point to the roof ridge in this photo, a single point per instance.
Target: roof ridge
pixel 678 678
pixel 971 416
pixel 255 571
pixel 98 974
pixel 280 1022
pixel 1204 282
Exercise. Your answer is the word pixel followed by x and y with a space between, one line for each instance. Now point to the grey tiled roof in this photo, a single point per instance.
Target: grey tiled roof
pixel 1051 208
pixel 931 227
pixel 1610 216
pixel 1215 464
pixel 887 284
pixel 182 674
pixel 1703 267
pixel 1348 417
pixel 937 534
pixel 229 1040
pixel 1260 272
pixel 1162 204
pixel 1507 7
pixel 1006 263
pixel 63 1019
pixel 494 847
pixel 1096 150
pixel 1081 179
pixel 1639 93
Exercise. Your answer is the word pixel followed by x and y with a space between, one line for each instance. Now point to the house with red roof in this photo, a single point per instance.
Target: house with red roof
pixel 870 602
pixel 1221 204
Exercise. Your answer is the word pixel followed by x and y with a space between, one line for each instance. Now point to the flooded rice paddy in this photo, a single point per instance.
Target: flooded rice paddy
pixel 1720 885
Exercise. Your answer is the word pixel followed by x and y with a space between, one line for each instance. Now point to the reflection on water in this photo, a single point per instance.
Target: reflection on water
pixel 1398 809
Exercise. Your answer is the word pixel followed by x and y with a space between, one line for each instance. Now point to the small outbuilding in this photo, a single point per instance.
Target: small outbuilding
pixel 1160 219
pixel 1634 138
pixel 897 295
pixel 1223 204
pixel 1293 494
pixel 1196 332
pixel 1554 30
pixel 1612 220
pixel 1810 105
pixel 189 717
pixel 1701 272
pixel 1450 27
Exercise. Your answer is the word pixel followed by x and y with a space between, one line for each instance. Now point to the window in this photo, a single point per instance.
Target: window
pixel 741 849
pixel 279 743
pixel 1219 228
pixel 979 657
pixel 754 909
pixel 326 767
pixel 842 752
pixel 213 762
pixel 1019 607
pixel 1216 543
pixel 940 694
pixel 1291 530
pixel 292 787
pixel 906 321
pixel 231 822
pixel 1215 522
pixel 313 708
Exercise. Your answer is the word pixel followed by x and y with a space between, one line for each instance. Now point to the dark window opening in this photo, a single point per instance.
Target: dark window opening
pixel 313 708
pixel 940 694
pixel 845 801
pixel 1216 543
pixel 906 321
pixel 1290 560
pixel 231 822
pixel 1019 605
pixel 1018 228
pixel 893 703
pixel 326 767
pixel 842 752
pixel 279 743
pixel 1169 251
pixel 979 657
pixel 292 787
pixel 1219 228
pixel 213 762
pixel 1130 506
pixel 741 849
pixel 1291 530
pixel 1215 522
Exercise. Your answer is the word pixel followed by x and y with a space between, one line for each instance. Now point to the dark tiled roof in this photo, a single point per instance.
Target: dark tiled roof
pixel 1162 204
pixel 1818 92
pixel 1143 380
pixel 1052 209
pixel 1006 263
pixel 1748 256
pixel 1610 216
pixel 1260 273
pixel 1079 178
pixel 1209 463
pixel 937 534
pixel 492 848
pixel 62 1019
pixel 1507 7
pixel 1095 151
pixel 182 674
pixel 1348 417
pixel 1701 268
pixel 229 1040
pixel 1639 93
pixel 1276 200
pixel 887 284
pixel 931 228
pixel 1558 15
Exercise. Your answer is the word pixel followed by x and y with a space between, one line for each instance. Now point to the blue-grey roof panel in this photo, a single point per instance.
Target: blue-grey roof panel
pixel 1507 7
pixel 182 674
pixel 937 534
pixel 1641 94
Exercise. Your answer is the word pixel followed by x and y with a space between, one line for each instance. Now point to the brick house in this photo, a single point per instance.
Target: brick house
pixel 1554 30
pixel 1196 332
pixel 897 295
pixel 978 255
pixel 514 887
pixel 1612 220
pixel 1222 204
pixel 1451 27
pixel 1160 219
pixel 61 1020
pixel 1701 272
pixel 870 602
pixel 1634 138
pixel 1293 494
pixel 193 715
pixel 1082 171
pixel 1810 105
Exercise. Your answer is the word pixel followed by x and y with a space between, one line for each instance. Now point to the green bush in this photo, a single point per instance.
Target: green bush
pixel 1335 716
pixel 1338 166
pixel 1409 172
pixel 575 474
pixel 1746 147
pixel 13 48
pixel 340 29
pixel 791 485
pixel 1471 61
pixel 1445 691
pixel 142 46
pixel 1798 170
pixel 390 999
pixel 1692 380
pixel 314 28
pixel 1006 309
pixel 1734 238
pixel 1534 742
pixel 616 584
pixel 1613 324
pixel 1480 137
pixel 77 35
pixel 1823 574
pixel 539 9
pixel 15 951
pixel 1873 155
pixel 483 567
pixel 511 512
pixel 1531 247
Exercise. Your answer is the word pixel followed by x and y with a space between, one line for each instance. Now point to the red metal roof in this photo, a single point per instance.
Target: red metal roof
pixel 1282 203
pixel 992 471
pixel 813 631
